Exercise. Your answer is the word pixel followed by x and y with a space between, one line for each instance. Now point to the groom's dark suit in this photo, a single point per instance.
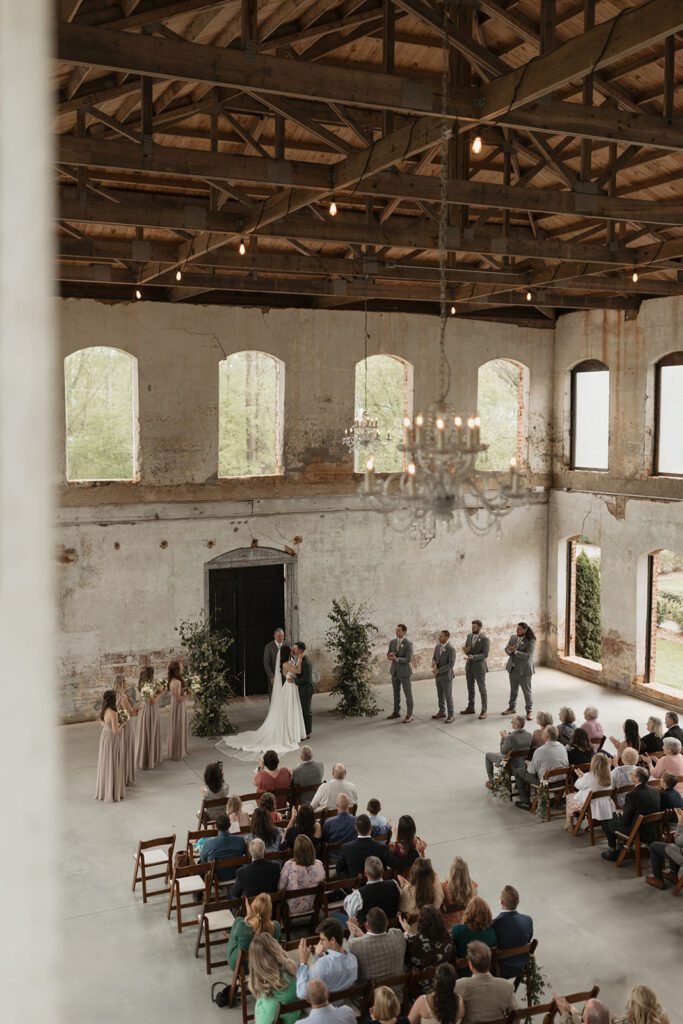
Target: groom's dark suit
pixel 305 683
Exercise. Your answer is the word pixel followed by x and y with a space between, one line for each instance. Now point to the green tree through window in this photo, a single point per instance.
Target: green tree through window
pixel 250 408
pixel 499 403
pixel 101 414
pixel 388 401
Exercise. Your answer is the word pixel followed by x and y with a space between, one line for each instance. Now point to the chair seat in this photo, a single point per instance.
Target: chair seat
pixel 219 920
pixel 190 883
pixel 155 855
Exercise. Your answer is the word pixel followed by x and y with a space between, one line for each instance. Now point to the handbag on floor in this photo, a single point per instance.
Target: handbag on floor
pixel 220 997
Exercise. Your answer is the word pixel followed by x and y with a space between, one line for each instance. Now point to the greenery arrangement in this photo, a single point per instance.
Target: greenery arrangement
pixel 542 800
pixel 588 642
pixel 349 640
pixel 205 651
pixel 670 608
pixel 537 984
pixel 502 782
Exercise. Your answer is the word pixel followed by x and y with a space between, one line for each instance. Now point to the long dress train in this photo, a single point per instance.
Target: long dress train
pixel 282 730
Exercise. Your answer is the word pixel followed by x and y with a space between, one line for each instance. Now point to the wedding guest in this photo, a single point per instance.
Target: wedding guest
pixel 380 950
pixel 239 818
pixel 443 1005
pixel 267 802
pixel 326 796
pixel 272 980
pixel 621 773
pixel 321 1012
pixel 429 944
pixel 258 920
pixel 641 800
pixel 301 871
pixel 458 890
pixel 597 780
pixel 377 892
pixel 565 729
pixel 538 738
pixel 659 851
pixel 512 930
pixel 580 750
pixel 329 961
pixel 510 743
pixel 225 846
pixel 672 726
pixel 551 755
pixel 399 656
pixel 631 737
pixel 111 779
pixel 422 888
pixel 592 726
pixel 594 1012
pixel 486 998
pixel 642 1007
pixel 476 650
pixel 355 853
pixel 477 926
pixel 408 846
pixel 270 776
pixel 215 788
pixel 177 726
pixel 129 734
pixel 520 649
pixel 443 661
pixel 672 761
pixel 258 876
pixel 669 796
pixel 262 827
pixel 148 753
pixel 342 827
pixel 303 823
pixel 386 1007
pixel 653 740
pixel 380 824
pixel 307 773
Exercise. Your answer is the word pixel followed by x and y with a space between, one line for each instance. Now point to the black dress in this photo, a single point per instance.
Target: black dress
pixel 651 744
pixel 576 756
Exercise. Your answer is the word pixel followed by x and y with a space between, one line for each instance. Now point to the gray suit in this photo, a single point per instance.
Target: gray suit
pixel 401 671
pixel 520 668
pixel 476 667
pixel 270 660
pixel 518 739
pixel 443 661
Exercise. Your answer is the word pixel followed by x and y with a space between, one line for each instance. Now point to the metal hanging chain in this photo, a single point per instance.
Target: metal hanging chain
pixel 365 349
pixel 444 367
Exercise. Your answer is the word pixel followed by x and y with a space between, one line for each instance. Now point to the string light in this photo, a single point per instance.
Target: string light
pixel 178 274
pixel 477 144
pixel 452 310
pixel 634 277
pixel 528 296
pixel 333 209
pixel 243 248
pixel 138 293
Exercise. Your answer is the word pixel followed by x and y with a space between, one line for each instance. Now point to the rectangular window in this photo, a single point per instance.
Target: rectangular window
pixel 669 441
pixel 590 418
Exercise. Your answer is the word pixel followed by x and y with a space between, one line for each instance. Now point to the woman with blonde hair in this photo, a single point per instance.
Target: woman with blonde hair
pixel 598 779
pixel 258 921
pixel 422 888
pixel 239 818
pixel 643 1007
pixel 272 980
pixel 477 925
pixel 458 890
pixel 386 1007
pixel 652 741
pixel 301 871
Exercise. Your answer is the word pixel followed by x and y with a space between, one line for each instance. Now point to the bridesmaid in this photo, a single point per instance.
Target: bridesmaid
pixel 177 729
pixel 130 732
pixel 149 729
pixel 110 785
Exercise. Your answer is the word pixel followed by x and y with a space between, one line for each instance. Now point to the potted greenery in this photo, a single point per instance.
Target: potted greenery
pixel 349 640
pixel 209 680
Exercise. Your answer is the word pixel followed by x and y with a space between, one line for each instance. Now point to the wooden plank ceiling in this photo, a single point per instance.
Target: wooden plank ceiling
pixel 189 130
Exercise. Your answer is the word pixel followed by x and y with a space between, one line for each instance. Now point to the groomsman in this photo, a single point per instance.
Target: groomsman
pixel 400 656
pixel 476 650
pixel 442 667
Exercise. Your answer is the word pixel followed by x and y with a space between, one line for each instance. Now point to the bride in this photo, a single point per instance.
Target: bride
pixel 283 728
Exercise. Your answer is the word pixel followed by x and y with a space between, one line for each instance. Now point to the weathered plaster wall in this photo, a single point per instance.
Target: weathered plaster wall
pixel 119 605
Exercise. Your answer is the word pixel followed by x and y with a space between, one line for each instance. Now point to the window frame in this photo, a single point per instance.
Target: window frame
pixel 673 359
pixel 279 418
pixel 408 370
pixel 585 366
pixel 521 452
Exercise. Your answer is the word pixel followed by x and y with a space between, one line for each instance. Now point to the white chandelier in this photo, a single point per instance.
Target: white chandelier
pixel 364 437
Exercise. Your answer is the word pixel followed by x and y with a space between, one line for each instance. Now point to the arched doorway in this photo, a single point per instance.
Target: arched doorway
pixel 250 592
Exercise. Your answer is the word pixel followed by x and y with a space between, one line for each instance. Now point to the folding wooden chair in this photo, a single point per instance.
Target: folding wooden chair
pixel 220 866
pixel 402 984
pixel 215 918
pixel 359 994
pixel 297 792
pixel 558 782
pixel 186 881
pixel 551 1009
pixel 290 918
pixel 586 814
pixel 153 854
pixel 326 854
pixel 523 978
pixel 632 841
pixel 239 978
pixel 334 893
pixel 678 886
pixel 206 819
pixel 195 834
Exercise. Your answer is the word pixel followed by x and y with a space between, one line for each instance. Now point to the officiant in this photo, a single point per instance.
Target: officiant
pixel 275 654
pixel 305 683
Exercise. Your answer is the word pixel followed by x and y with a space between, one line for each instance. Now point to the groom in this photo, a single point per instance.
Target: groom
pixel 305 684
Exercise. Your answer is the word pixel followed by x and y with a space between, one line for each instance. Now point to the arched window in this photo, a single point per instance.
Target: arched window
pixel 389 398
pixel 101 386
pixel 583 615
pixel 590 415
pixel 500 404
pixel 669 415
pixel 251 394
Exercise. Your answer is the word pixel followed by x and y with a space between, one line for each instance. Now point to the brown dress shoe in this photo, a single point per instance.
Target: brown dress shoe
pixel 508 711
pixel 467 711
pixel 449 720
pixel 441 714
pixel 394 714
pixel 407 719
pixel 529 718
pixel 483 714
pixel 656 883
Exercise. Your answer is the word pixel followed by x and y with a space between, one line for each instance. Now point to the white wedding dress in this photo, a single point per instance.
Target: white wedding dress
pixel 282 730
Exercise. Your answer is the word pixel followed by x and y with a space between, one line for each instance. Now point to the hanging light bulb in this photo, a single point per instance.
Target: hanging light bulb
pixel 528 296
pixel 477 144
pixel 634 277
pixel 138 293
pixel 178 274
pixel 453 310
pixel 333 209
pixel 243 248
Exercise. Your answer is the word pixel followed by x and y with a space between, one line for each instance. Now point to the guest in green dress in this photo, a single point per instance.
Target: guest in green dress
pixel 272 980
pixel 258 921
pixel 477 924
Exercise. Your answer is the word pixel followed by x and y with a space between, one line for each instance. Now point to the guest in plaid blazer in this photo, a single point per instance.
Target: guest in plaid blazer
pixel 380 953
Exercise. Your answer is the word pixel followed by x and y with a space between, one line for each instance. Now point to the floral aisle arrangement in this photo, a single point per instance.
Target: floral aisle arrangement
pixel 209 678
pixel 543 799
pixel 349 640
pixel 502 781
pixel 537 984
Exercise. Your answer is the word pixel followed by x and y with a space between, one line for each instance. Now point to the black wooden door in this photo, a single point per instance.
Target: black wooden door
pixel 250 602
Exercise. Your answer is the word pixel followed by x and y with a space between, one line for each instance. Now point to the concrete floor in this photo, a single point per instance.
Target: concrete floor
pixel 594 924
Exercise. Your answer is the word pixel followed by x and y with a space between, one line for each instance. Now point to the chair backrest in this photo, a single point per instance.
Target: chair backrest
pixel 199 833
pixel 551 1008
pixel 204 870
pixel 557 777
pixel 148 844
pixel 316 891
pixel 518 753
pixel 506 954
pixel 215 804
pixel 643 819
pixel 298 791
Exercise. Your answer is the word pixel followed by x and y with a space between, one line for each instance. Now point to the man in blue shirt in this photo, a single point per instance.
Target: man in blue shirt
pixel 512 930
pixel 341 828
pixel 224 846
pixel 329 962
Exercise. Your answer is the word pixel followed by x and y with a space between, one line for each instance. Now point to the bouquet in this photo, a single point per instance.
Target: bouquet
pixel 148 690
pixel 123 716
pixel 194 685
